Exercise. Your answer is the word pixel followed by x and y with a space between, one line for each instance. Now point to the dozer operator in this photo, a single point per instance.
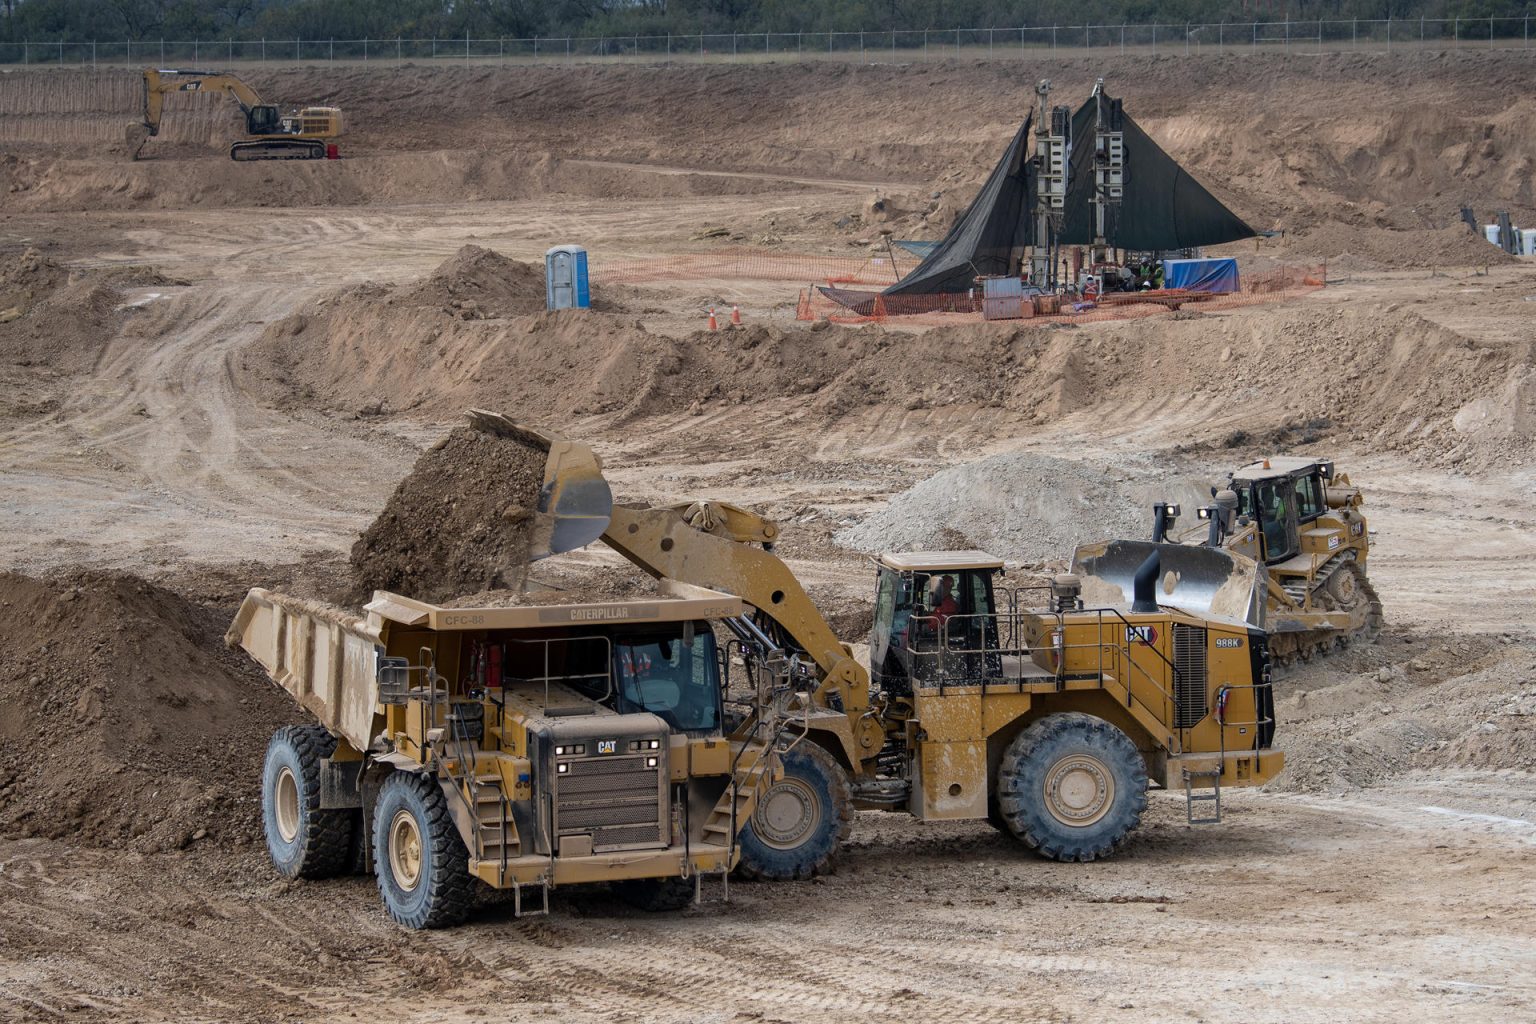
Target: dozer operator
pixel 306 134
pixel 1282 546
pixel 1024 707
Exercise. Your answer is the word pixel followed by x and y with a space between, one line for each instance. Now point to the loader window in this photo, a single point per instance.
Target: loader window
pixel 677 681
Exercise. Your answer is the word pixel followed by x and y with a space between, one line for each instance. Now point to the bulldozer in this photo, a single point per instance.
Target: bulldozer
pixel 305 134
pixel 1283 546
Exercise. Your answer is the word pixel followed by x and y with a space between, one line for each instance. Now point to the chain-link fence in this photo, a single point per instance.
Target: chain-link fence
pixel 1301 37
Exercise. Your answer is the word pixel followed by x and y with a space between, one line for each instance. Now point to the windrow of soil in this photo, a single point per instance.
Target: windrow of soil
pixel 1365 373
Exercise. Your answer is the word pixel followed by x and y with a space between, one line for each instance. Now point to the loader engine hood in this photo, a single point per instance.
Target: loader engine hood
pixel 1202 581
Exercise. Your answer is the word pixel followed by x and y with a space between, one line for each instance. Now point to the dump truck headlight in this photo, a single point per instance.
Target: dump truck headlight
pixel 650 762
pixel 562 768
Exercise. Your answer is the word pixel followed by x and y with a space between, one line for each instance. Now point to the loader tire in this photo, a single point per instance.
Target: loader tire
pixel 304 840
pixel 1072 787
pixel 418 856
pixel 655 895
pixel 801 821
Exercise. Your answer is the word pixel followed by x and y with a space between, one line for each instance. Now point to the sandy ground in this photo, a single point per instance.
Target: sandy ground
pixel 1410 899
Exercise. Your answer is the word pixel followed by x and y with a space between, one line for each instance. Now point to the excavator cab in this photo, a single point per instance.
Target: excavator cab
pixel 1282 496
pixel 264 119
pixel 935 619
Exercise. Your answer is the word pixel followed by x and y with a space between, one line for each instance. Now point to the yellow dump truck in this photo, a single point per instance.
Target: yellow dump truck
pixel 525 747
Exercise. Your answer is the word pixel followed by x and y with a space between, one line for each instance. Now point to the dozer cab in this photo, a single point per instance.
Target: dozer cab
pixel 524 747
pixel 1283 546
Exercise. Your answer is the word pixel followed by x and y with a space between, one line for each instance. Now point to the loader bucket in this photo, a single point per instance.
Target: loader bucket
pixel 1203 581
pixel 575 503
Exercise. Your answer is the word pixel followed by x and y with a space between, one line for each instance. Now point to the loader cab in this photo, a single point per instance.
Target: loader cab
pixel 935 619
pixel 1282 496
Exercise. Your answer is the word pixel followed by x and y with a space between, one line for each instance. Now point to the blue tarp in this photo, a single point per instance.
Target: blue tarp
pixel 1218 277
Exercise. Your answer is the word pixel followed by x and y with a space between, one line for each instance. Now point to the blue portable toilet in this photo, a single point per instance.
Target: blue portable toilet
pixel 565 278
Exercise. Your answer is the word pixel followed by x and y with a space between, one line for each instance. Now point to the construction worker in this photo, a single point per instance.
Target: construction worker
pixel 944 603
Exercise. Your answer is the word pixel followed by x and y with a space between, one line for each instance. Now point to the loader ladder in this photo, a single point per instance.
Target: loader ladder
pixel 1202 786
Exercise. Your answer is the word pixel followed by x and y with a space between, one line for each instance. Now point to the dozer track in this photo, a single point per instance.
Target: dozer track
pixel 1289 646
pixel 278 149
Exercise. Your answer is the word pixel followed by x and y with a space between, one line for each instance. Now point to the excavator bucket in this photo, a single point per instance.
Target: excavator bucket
pixel 1203 581
pixel 134 137
pixel 575 503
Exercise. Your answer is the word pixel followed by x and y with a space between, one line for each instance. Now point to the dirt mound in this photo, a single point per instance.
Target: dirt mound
pixel 1407 702
pixel 1021 507
pixel 61 320
pixel 1353 246
pixel 124 720
pixel 459 523
pixel 476 283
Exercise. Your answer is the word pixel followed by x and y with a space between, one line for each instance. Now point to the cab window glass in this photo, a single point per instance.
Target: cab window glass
pixel 669 678
pixel 1309 498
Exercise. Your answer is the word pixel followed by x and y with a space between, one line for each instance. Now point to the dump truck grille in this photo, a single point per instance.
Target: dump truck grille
pixel 618 799
pixel 1189 687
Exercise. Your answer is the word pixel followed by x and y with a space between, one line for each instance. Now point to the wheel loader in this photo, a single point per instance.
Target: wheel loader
pixel 1283 547
pixel 305 134
pixel 522 748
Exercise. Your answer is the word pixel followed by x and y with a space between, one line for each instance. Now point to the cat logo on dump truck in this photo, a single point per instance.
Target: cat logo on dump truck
pixel 607 746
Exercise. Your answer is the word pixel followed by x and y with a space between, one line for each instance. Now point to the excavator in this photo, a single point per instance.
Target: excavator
pixel 1283 547
pixel 306 134
pixel 1026 707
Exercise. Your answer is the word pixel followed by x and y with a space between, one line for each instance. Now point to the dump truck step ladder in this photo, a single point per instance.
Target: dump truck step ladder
pixel 1202 786
pixel 542 910
pixel 736 804
pixel 698 886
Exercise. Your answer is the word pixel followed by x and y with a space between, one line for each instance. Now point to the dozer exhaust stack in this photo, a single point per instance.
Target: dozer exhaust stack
pixel 575 502
pixel 1201 581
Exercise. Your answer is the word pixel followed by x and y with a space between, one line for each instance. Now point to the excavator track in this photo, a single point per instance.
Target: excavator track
pixel 1289 647
pixel 278 149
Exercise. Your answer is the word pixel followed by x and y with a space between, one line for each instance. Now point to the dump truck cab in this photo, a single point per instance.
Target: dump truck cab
pixel 529 747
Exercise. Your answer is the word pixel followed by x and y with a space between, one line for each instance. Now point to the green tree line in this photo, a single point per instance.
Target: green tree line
pixel 83 20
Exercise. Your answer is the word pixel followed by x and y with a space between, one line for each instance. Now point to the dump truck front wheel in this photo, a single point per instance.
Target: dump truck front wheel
pixel 304 840
pixel 418 856
pixel 801 821
pixel 1072 787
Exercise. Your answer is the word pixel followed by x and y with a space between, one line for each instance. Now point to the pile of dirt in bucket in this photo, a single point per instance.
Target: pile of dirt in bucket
pixel 459 523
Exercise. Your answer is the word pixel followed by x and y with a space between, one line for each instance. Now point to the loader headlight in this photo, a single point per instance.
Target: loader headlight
pixel 1203 512
pixel 1174 510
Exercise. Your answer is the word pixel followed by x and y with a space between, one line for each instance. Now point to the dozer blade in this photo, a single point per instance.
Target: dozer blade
pixel 1202 581
pixel 575 503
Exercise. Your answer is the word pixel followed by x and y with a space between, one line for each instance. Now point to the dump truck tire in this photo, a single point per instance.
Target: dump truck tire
pixel 656 895
pixel 304 840
pixel 801 822
pixel 1072 787
pixel 418 856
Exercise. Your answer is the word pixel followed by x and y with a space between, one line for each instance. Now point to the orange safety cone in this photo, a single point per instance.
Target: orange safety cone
pixel 736 315
pixel 714 324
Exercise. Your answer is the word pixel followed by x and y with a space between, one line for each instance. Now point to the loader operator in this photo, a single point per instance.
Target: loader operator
pixel 944 603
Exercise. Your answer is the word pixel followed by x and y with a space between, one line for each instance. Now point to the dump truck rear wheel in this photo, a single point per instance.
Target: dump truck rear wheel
pixel 656 895
pixel 418 857
pixel 1072 787
pixel 801 821
pixel 304 840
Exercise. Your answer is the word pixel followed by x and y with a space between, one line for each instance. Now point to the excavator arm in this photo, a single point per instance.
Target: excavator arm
pixel 157 83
